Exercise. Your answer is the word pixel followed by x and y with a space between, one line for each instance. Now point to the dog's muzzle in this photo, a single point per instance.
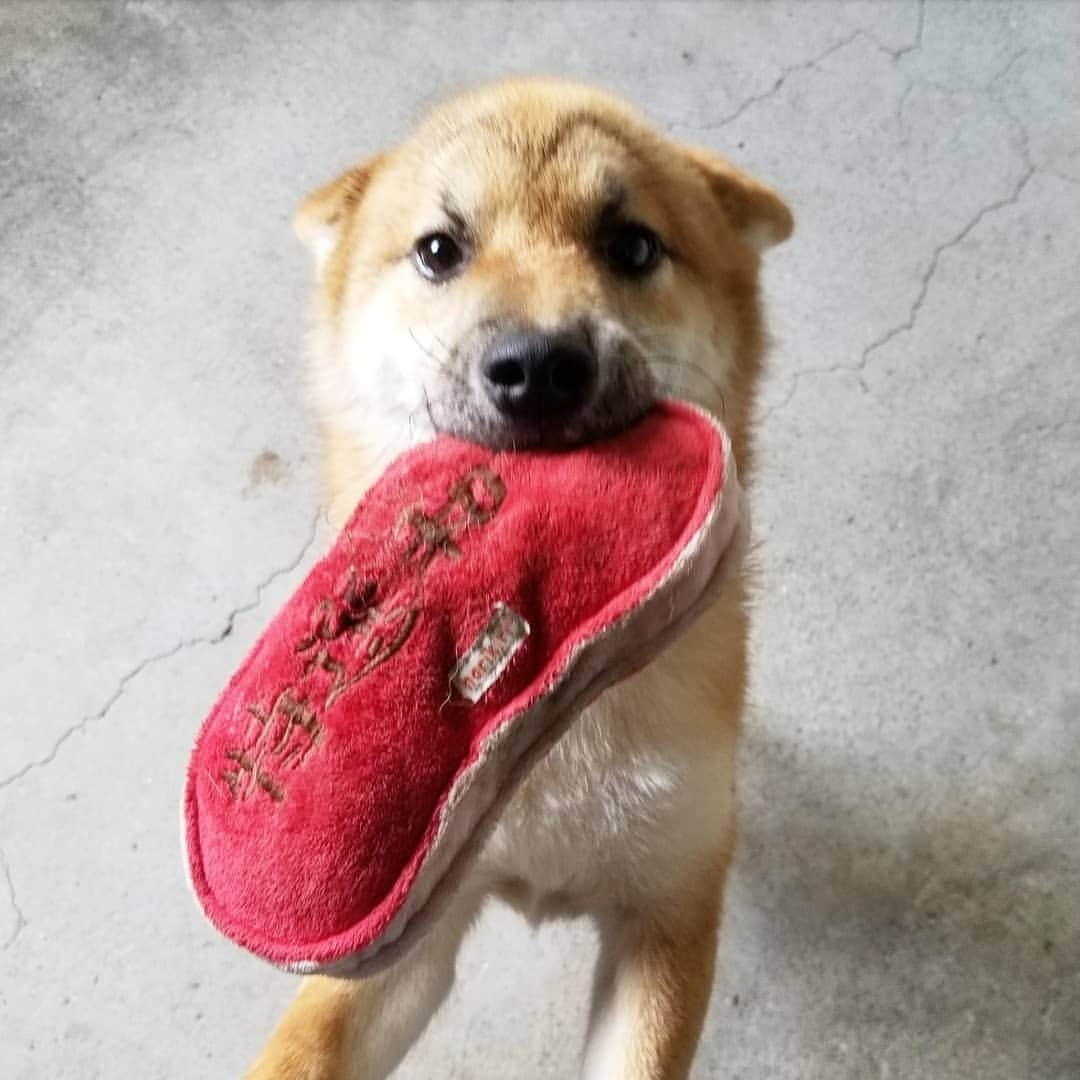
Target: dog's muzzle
pixel 535 378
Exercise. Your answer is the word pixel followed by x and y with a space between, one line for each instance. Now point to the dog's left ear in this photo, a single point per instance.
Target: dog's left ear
pixel 320 219
pixel 753 209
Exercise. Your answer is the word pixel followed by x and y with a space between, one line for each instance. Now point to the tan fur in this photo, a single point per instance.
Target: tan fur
pixel 629 818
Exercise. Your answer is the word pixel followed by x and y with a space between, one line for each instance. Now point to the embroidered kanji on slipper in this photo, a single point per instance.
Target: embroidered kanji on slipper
pixel 473 605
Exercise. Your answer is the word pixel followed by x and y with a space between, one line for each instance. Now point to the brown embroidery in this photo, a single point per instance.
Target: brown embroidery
pixel 479 511
pixel 247 765
pixel 283 736
pixel 380 638
pixel 330 620
pixel 350 635
pixel 473 500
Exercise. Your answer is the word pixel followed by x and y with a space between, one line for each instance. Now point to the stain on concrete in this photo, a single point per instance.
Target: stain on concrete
pixel 266 469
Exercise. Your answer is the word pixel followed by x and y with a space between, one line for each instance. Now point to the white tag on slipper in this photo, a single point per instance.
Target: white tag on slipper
pixel 486 658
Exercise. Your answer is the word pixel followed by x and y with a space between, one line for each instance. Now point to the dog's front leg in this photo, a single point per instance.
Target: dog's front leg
pixel 360 1029
pixel 653 983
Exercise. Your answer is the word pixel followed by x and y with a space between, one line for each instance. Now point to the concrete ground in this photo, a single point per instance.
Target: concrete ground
pixel 906 898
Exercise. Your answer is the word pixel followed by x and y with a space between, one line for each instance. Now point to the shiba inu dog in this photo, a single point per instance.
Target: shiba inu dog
pixel 535 266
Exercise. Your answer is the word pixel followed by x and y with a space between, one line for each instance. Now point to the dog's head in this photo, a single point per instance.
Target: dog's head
pixel 533 266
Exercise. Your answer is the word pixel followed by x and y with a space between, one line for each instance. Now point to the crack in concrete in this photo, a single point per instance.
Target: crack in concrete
pixel 165 654
pixel 809 65
pixel 916 43
pixel 909 81
pixel 1025 135
pixel 20 918
pixel 243 609
pixel 989 88
pixel 1073 181
pixel 896 55
pixel 1007 69
pixel 777 86
pixel 908 323
pixel 1049 427
pixel 1017 124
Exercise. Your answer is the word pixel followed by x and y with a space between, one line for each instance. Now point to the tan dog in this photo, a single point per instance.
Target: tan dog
pixel 536 264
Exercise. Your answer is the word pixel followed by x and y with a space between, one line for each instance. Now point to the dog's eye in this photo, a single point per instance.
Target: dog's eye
pixel 438 256
pixel 632 250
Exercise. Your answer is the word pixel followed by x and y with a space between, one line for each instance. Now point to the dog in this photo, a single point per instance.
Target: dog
pixel 534 266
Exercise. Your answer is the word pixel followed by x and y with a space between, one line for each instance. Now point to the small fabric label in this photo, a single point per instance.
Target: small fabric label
pixel 487 657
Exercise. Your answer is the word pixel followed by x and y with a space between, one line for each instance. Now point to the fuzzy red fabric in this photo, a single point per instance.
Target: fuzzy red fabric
pixel 475 601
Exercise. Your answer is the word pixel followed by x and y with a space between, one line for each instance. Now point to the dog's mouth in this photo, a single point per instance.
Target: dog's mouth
pixel 531 389
pixel 550 433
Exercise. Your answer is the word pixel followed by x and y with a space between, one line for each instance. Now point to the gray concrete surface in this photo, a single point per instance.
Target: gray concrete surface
pixel 905 900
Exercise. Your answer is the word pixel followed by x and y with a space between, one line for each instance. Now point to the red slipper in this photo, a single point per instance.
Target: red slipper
pixel 473 605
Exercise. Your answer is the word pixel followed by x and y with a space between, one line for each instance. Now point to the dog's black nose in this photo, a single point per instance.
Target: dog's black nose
pixel 529 374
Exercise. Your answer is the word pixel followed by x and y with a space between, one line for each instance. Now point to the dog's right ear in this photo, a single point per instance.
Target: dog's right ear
pixel 319 220
pixel 753 209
